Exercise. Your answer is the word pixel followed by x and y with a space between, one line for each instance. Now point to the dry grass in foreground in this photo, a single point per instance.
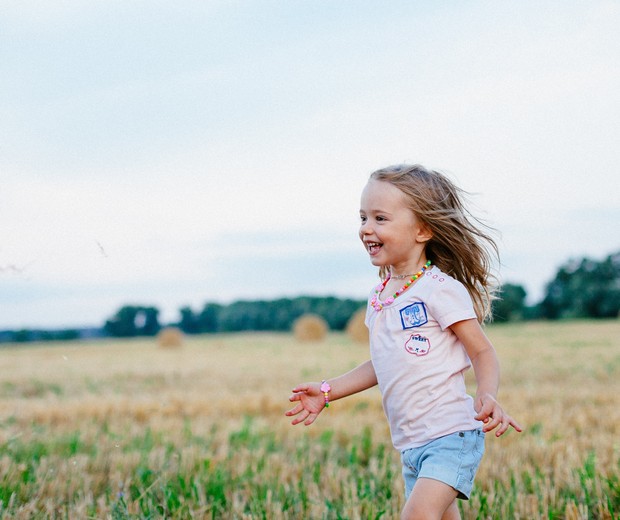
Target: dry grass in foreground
pixel 123 429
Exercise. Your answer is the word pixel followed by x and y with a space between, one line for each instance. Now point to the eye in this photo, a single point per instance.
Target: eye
pixel 380 218
pixel 363 218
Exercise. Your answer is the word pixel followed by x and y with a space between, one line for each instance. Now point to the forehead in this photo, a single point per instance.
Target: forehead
pixel 382 196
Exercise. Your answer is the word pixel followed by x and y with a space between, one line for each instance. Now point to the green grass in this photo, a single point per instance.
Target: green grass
pixel 129 431
pixel 258 474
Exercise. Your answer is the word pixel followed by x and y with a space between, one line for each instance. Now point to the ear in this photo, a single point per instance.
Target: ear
pixel 424 233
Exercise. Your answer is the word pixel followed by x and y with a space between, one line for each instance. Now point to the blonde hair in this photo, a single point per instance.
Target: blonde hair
pixel 461 245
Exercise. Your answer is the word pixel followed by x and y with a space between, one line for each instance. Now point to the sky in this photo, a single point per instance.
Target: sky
pixel 174 153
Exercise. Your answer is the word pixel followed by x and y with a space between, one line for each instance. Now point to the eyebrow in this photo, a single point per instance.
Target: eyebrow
pixel 375 211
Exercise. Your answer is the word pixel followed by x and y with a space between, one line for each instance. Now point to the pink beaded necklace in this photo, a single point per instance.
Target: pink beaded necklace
pixel 378 304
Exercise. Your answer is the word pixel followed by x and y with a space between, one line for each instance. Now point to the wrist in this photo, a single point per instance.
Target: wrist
pixel 325 390
pixel 486 395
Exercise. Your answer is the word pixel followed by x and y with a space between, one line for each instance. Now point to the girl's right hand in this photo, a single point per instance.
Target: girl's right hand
pixel 311 402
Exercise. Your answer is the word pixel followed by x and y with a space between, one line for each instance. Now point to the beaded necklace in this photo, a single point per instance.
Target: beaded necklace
pixel 378 304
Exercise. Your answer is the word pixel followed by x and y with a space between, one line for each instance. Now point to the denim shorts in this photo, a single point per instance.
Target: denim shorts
pixel 452 459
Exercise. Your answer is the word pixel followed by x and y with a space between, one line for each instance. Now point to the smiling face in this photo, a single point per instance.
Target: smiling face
pixel 392 234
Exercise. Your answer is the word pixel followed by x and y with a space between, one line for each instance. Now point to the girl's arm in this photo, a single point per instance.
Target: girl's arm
pixel 311 400
pixel 486 368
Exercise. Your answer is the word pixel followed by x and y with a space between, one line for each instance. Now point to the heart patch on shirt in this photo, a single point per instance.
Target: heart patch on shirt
pixel 418 345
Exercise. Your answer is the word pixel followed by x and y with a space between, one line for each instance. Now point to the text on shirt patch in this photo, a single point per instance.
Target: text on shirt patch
pixel 418 345
pixel 413 315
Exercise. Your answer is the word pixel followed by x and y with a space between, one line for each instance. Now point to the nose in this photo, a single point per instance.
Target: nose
pixel 365 228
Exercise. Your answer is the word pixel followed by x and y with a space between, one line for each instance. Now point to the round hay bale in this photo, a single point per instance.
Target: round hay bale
pixel 356 328
pixel 310 327
pixel 170 337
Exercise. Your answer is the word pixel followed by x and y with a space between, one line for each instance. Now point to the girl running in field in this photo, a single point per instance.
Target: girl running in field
pixel 424 321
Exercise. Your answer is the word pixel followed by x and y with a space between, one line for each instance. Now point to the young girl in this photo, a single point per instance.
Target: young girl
pixel 424 321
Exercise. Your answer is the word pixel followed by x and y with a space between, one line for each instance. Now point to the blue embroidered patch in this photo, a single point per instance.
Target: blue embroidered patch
pixel 413 315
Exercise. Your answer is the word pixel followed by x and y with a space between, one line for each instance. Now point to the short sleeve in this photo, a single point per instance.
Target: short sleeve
pixel 450 303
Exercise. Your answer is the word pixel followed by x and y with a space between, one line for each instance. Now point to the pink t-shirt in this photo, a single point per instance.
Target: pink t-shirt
pixel 420 362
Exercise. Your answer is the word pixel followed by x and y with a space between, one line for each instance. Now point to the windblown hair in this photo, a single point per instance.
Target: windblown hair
pixel 461 244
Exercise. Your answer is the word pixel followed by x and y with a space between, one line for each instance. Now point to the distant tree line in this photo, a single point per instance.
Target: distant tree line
pixel 28 335
pixel 260 315
pixel 582 288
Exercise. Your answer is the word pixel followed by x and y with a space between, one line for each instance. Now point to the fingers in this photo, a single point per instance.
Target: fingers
pixel 295 410
pixel 304 416
pixel 303 388
pixel 485 414
pixel 506 423
pixel 300 418
pixel 311 418
pixel 300 412
pixel 310 402
pixel 515 425
pixel 490 424
pixel 298 392
pixel 500 421
pixel 493 416
pixel 503 426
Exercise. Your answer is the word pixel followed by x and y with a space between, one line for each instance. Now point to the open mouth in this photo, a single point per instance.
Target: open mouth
pixel 373 247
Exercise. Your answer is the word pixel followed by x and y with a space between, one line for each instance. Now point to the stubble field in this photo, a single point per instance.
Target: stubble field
pixel 124 429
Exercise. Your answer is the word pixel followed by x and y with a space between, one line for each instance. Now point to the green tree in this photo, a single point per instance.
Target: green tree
pixel 584 288
pixel 189 323
pixel 133 320
pixel 209 318
pixel 123 323
pixel 150 326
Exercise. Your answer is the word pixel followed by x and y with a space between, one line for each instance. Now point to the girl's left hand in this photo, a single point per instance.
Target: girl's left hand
pixel 493 416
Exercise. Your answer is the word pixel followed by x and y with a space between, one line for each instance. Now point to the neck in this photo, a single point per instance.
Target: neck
pixel 405 271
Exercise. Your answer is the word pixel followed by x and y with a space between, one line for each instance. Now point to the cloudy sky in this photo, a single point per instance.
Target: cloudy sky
pixel 173 153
